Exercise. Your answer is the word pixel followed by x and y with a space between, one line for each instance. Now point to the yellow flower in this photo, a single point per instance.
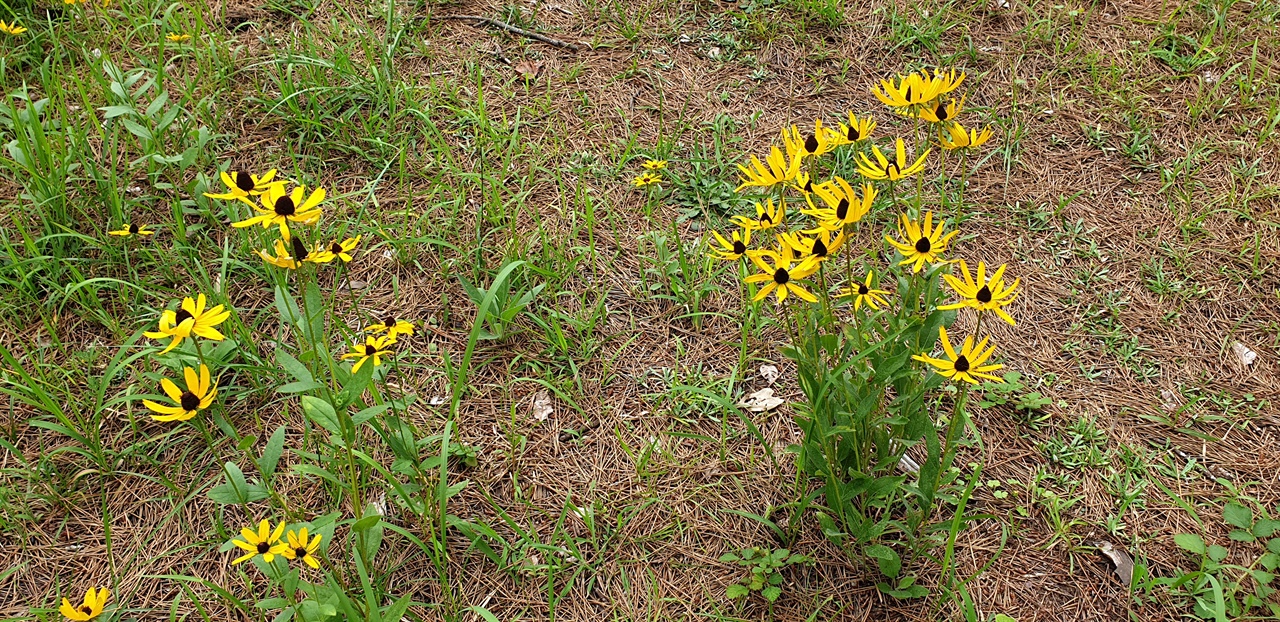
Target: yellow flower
pixel 916 89
pixel 280 208
pixel 894 170
pixel 777 169
pixel 373 348
pixel 921 242
pixel 655 165
pixel 302 548
pixel 767 216
pixel 815 250
pixel 132 229
pixel 961 139
pixel 804 184
pixel 392 327
pixel 90 607
pixel 844 206
pixel 282 258
pixel 242 185
pixel 822 141
pixel 15 30
pixel 266 542
pixel 646 178
pixel 935 112
pixel 857 130
pixel 965 365
pixel 342 250
pixel 863 293
pixel 177 38
pixel 190 320
pixel 732 248
pixel 199 395
pixel 781 276
pixel 982 293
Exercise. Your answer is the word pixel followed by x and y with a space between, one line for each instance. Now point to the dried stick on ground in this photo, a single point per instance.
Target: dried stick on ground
pixel 520 31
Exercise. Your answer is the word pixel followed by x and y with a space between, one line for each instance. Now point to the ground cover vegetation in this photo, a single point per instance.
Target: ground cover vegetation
pixel 776 309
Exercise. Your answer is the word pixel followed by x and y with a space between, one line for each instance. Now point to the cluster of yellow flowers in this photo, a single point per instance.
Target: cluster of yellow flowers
pixel 836 206
pixel 266 542
pixel 12 29
pixel 652 173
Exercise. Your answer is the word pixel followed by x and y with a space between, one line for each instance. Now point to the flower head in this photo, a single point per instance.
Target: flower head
pixel 820 142
pixel 300 548
pixel 776 169
pixel 242 185
pixel 803 184
pixel 646 178
pixel 392 326
pixel 90 607
pixel 199 395
pixel 265 542
pixel 373 348
pixel 177 38
pixel 843 204
pixel 957 138
pixel 655 165
pixel 935 112
pixel 916 89
pixel 893 170
pixel 965 365
pixel 921 242
pixel 279 208
pixel 342 250
pixel 282 258
pixel 864 293
pixel 768 216
pixel 190 320
pixel 15 30
pixel 856 131
pixel 982 293
pixel 733 247
pixel 815 250
pixel 132 229
pixel 781 275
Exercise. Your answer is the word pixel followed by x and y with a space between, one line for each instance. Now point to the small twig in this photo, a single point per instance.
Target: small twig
pixel 520 31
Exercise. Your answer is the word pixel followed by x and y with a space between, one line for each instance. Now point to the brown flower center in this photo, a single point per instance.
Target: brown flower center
pixel 819 249
pixel 811 144
pixel 335 248
pixel 923 245
pixel 370 350
pixel 984 295
pixel 766 218
pixel 86 609
pixel 244 181
pixel 842 209
pixel 738 247
pixel 854 134
pixel 300 552
pixel 189 401
pixel 133 229
pixel 263 547
pixel 962 363
pixel 181 316
pixel 781 277
pixel 863 289
pixel 941 113
pixel 285 207
pixel 299 249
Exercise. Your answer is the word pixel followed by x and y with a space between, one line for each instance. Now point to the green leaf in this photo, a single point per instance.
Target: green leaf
pixel 293 366
pixel 771 593
pixel 1190 542
pixel 736 591
pixel 1240 535
pixel 366 522
pixel 271 453
pixel 1265 527
pixel 1000 617
pixel 1238 515
pixel 1217 552
pixel 299 387
pixel 730 557
pixel 886 558
pixel 321 413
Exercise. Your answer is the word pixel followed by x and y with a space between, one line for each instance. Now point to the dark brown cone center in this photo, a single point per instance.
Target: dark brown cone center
pixel 244 181
pixel 370 350
pixel 863 289
pixel 984 295
pixel 942 113
pixel 189 401
pixel 300 552
pixel 854 134
pixel 133 229
pixel 766 218
pixel 811 144
pixel 285 206
pixel 738 247
pixel 335 248
pixel 923 245
pixel 962 363
pixel 781 276
pixel 819 249
pixel 263 547
pixel 181 316
pixel 842 209
pixel 299 249
pixel 86 609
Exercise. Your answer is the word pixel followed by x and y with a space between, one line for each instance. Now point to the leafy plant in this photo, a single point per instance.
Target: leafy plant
pixel 503 306
pixel 764 571
pixel 1223 591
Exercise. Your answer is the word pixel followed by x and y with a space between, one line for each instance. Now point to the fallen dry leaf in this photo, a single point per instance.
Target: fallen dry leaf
pixel 1119 558
pixel 528 69
pixel 1170 400
pixel 761 401
pixel 769 373
pixel 1247 357
pixel 542 405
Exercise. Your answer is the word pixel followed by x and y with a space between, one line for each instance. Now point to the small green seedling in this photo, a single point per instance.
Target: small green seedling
pixel 766 571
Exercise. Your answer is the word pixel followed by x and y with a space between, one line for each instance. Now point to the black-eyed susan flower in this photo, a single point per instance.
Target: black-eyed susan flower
pixel 132 229
pixel 982 293
pixel 177 38
pixel 965 365
pixel 655 165
pixel 820 142
pixel 858 129
pixel 921 242
pixel 956 137
pixel 279 208
pixel 281 258
pixel 733 247
pixel 803 184
pixel 242 185
pixel 844 205
pixel 883 168
pixel 392 326
pixel 913 89
pixel 768 216
pixel 373 349
pixel 815 250
pixel 646 178
pixel 780 276
pixel 776 169
pixel 200 393
pixel 946 82
pixel 865 293
pixel 935 112
pixel 190 320
pixel 302 549
pixel 342 250
pixel 12 29
pixel 317 254
pixel 265 542
pixel 91 607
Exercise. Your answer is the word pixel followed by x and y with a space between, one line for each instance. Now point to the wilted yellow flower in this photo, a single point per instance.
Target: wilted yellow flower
pixel 857 130
pixel 777 169
pixel 15 30
pixel 767 216
pixel 960 139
